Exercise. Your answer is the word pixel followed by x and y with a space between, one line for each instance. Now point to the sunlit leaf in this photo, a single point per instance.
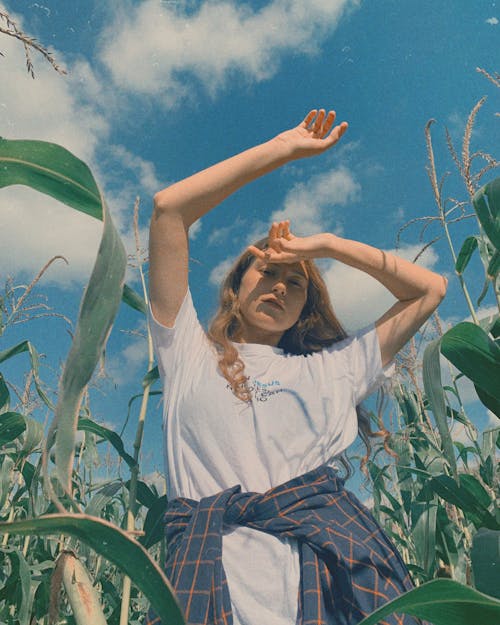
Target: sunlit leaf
pixel 117 547
pixel 51 169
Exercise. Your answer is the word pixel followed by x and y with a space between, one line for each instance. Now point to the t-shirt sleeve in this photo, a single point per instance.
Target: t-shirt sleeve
pixel 177 347
pixel 360 358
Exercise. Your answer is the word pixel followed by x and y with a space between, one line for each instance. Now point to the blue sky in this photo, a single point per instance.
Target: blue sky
pixel 157 90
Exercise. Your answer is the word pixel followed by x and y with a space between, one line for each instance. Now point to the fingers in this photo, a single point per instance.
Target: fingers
pixel 308 118
pixel 279 230
pixel 337 133
pixel 321 123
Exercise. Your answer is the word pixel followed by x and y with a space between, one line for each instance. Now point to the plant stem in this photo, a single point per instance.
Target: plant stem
pixel 134 471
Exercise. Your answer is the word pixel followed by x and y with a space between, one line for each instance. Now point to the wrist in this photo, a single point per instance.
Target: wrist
pixel 330 245
pixel 283 149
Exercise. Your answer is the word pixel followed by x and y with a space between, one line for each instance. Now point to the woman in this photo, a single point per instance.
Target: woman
pixel 259 527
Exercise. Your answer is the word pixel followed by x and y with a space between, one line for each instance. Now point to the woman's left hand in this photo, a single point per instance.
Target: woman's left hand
pixel 284 247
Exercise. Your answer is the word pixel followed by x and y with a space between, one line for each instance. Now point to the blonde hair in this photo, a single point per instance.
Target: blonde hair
pixel 316 328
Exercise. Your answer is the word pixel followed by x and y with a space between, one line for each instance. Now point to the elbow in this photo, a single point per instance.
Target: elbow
pixel 442 287
pixel 438 290
pixel 160 204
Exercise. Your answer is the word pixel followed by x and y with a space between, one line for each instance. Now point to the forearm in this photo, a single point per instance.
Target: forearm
pixel 405 280
pixel 193 197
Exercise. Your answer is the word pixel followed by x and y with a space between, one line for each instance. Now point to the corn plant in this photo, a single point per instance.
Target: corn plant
pixel 437 498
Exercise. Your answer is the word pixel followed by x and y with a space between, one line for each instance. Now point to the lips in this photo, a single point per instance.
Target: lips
pixel 274 302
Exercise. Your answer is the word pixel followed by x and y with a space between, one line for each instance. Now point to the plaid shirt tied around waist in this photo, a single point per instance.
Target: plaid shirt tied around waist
pixel 348 565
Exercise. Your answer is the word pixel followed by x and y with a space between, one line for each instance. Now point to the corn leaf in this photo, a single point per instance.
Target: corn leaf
pixel 116 546
pixel 435 395
pixel 494 265
pixel 112 437
pixel 442 602
pixel 134 300
pixel 485 558
pixel 470 349
pixel 4 395
pixel 465 254
pixel 20 348
pixel 51 169
pixel 12 425
pixel 486 203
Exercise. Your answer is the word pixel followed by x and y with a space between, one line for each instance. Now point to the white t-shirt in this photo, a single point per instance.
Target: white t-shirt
pixel 303 413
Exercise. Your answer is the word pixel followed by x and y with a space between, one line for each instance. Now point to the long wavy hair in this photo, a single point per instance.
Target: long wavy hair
pixel 316 328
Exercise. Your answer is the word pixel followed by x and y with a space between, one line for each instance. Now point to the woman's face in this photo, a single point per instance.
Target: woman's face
pixel 271 298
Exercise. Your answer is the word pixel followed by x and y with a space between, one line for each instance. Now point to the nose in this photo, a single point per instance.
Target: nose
pixel 279 288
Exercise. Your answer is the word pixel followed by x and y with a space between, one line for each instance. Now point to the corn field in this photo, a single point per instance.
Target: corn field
pixel 76 549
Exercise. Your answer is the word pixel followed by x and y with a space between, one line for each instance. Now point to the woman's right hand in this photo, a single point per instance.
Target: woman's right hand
pixel 314 135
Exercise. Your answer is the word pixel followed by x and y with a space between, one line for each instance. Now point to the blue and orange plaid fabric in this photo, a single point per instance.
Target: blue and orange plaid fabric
pixel 349 567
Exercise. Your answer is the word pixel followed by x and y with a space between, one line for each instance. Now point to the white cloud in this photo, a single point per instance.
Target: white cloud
pixel 138 167
pixel 220 271
pixel 156 48
pixel 492 20
pixel 35 227
pixel 306 203
pixel 75 111
pixel 129 364
pixel 358 299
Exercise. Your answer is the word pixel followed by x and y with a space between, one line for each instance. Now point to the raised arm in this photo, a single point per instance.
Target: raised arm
pixel 178 206
pixel 418 290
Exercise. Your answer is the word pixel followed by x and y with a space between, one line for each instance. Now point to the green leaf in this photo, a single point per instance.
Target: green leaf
pixel 436 397
pixel 464 496
pixel 442 602
pixel 144 495
pixel 495 327
pixel 465 254
pixel 154 526
pixel 6 474
pixel 98 310
pixel 492 403
pixel 112 437
pixel 494 265
pixel 424 533
pixel 117 547
pixel 102 497
pixel 17 586
pixel 50 169
pixel 150 377
pixel 4 395
pixel 26 346
pixel 470 349
pixel 486 203
pixel 12 425
pixel 485 557
pixel 33 436
pixel 53 170
pixel 134 300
